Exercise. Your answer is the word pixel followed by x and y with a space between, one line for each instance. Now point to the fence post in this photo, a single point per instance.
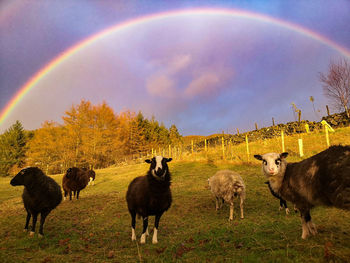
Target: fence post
pixel 327 110
pixel 307 128
pixel 169 150
pixel 282 138
pixel 256 126
pixel 301 152
pixel 246 141
pixel 273 121
pixel 237 131
pixel 223 148
pixel 327 136
pixel 192 145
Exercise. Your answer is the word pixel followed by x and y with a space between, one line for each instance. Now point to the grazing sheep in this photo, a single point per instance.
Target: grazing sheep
pixel 92 175
pixel 74 180
pixel 150 195
pixel 41 194
pixel 283 202
pixel 226 185
pixel 323 179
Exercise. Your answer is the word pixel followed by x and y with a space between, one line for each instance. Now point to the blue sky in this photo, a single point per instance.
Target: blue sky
pixel 204 73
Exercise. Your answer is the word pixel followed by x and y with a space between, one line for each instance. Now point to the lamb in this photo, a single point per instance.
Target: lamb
pixel 323 179
pixel 283 202
pixel 226 185
pixel 150 195
pixel 41 194
pixel 74 180
pixel 92 176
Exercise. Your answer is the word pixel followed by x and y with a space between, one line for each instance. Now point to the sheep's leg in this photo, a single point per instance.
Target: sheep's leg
pixel 42 221
pixel 78 194
pixel 70 195
pixel 231 211
pixel 217 203
pixel 35 217
pixel 27 221
pixel 283 203
pixel 65 194
pixel 295 209
pixel 133 223
pixel 145 225
pixel 155 230
pixel 241 206
pixel 307 226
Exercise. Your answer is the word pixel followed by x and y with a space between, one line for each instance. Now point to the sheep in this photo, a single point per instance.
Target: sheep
pixel 150 195
pixel 323 179
pixel 41 194
pixel 92 176
pixel 74 180
pixel 226 185
pixel 283 202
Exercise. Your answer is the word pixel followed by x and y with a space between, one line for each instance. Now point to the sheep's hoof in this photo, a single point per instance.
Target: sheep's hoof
pixel 40 235
pixel 31 233
pixel 154 241
pixel 242 217
pixel 287 211
pixel 25 230
pixel 280 208
pixel 143 238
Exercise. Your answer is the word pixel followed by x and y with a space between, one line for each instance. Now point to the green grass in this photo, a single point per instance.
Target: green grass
pixel 96 228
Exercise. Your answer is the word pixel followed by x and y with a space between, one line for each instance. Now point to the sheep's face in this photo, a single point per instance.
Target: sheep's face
pixel 24 177
pixel 237 189
pixel 273 163
pixel 159 166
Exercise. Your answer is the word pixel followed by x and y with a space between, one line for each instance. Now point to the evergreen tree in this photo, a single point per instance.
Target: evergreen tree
pixel 12 148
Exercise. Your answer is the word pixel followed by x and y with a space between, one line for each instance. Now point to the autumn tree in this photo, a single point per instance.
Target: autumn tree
pixel 336 84
pixel 47 149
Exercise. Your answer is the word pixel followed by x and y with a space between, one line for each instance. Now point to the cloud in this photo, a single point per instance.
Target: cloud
pixel 178 63
pixel 160 85
pixel 208 83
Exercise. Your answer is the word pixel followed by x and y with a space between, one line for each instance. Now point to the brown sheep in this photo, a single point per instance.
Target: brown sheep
pixel 74 180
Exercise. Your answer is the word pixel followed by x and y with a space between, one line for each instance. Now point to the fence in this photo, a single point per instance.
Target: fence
pixel 299 145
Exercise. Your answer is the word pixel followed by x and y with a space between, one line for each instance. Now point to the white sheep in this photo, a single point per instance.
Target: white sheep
pixel 226 185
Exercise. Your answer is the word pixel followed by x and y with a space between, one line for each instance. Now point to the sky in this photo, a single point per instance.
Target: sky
pixel 205 66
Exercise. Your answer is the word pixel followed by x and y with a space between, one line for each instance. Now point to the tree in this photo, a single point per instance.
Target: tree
pixel 336 85
pixel 12 148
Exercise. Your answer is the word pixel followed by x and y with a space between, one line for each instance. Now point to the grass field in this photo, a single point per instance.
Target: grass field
pixel 96 228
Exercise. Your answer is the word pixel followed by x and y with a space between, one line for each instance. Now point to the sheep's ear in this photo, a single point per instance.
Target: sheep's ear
pixel 258 156
pixel 284 155
pixel 168 159
pixel 148 161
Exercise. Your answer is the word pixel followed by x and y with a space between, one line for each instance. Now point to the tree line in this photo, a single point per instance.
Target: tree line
pixel 91 136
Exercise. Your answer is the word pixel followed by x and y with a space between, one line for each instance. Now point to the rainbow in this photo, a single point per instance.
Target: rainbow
pixel 155 17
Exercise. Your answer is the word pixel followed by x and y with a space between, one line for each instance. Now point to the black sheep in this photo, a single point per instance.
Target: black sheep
pixel 150 195
pixel 322 179
pixel 41 194
pixel 75 180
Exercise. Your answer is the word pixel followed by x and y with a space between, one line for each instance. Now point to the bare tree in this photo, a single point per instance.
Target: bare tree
pixel 336 84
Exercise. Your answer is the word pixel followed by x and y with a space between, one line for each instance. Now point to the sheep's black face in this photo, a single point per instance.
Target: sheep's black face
pixel 159 166
pixel 23 177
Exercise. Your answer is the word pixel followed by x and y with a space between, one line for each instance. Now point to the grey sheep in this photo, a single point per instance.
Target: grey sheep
pixel 225 186
pixel 322 179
